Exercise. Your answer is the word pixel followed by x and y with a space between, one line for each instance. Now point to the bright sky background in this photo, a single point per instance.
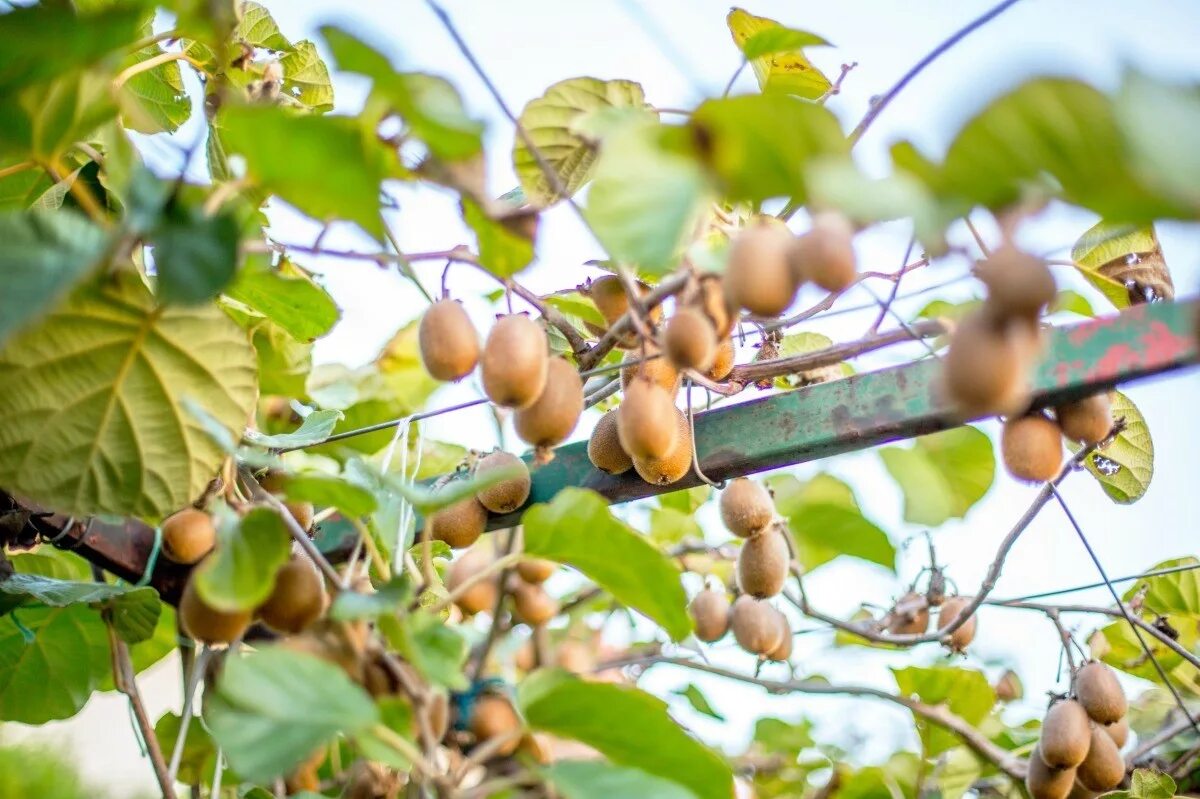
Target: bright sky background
pixel 681 52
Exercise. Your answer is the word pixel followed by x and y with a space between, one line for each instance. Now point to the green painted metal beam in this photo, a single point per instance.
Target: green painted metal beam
pixel 874 408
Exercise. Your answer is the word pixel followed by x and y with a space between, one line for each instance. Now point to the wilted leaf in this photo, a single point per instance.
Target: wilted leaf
pixel 1124 262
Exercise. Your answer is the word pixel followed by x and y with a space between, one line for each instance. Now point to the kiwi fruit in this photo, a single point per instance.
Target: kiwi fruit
pixel 755 626
pixel 610 298
pixel 303 512
pixel 1008 688
pixel 660 371
pixel 986 368
pixel 784 650
pixel 758 276
pixel 298 598
pixel 481 596
pixel 554 414
pixel 459 524
pixel 825 254
pixel 604 446
pixel 493 717
pixel 964 635
pixel 646 421
pixel 1118 731
pixel 690 340
pixel 506 495
pixel 710 615
pixel 1100 694
pixel 1103 768
pixel 1066 735
pixel 1031 447
pixel 207 624
pixel 1018 284
pixel 746 507
pixel 910 616
pixel 762 564
pixel 723 361
pixel 536 570
pixel 437 714
pixel 672 467
pixel 1044 782
pixel 188 535
pixel 716 306
pixel 532 604
pixel 1088 420
pixel 1080 792
pixel 448 342
pixel 515 362
pixel 575 657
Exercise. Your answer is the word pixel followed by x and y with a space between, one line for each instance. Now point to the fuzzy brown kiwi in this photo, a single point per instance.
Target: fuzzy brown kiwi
pixel 1118 731
pixel 532 604
pixel 755 626
pixel 710 614
pixel 1031 447
pixel 536 570
pixel 188 535
pixel 825 254
pixel 759 276
pixel 716 306
pixel 610 298
pixel 1066 735
pixel 460 524
pixel 207 624
pixel 298 598
pixel 762 564
pixel 646 421
pixel 723 361
pixel 515 361
pixel 910 616
pixel 604 446
pixel 1008 688
pixel 986 368
pixel 1100 694
pixel 1088 420
pixel 508 494
pixel 746 507
pixel 448 341
pixel 493 717
pixel 1103 768
pixel 1019 284
pixel 303 512
pixel 965 634
pixel 690 340
pixel 1044 782
pixel 1080 792
pixel 675 464
pixel 784 650
pixel 437 714
pixel 553 415
pixel 481 596
pixel 660 371
pixel 575 657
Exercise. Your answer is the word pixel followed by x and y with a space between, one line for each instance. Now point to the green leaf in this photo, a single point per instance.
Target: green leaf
pixel 1150 114
pixel 645 200
pixel 135 614
pixel 44 254
pixel 550 123
pixel 255 717
pixel 434 649
pixel 686 500
pixel 77 40
pixel 626 725
pixel 154 101
pixel 957 772
pixel 316 427
pixel 286 296
pixel 698 701
pixel 1125 465
pixel 777 735
pixel 760 146
pixel 826 531
pixel 258 28
pixel 240 573
pixel 60 593
pixel 91 398
pixel 670 526
pixel 965 692
pixel 289 155
pixel 52 676
pixel 199 754
pixel 352 606
pixel 325 490
pixel 23 189
pixel 1108 254
pixel 283 362
pixel 942 475
pixel 397 715
pixel 503 249
pixel 775 54
pixel 306 78
pixel 1169 593
pixel 584 779
pixel 195 253
pixel 1150 784
pixel 1071 302
pixel 791 495
pixel 43 122
pixel 51 562
pixel 577 528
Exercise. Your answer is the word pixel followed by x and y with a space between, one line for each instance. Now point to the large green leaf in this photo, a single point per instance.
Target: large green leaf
pixel 306 78
pixel 628 726
pixel 60 593
pixel 273 707
pixel 43 122
pixel 240 573
pixel 154 101
pixel 44 254
pixel 91 401
pixel 1125 465
pixel 942 475
pixel 578 528
pixel 826 522
pixel 1151 114
pixel 775 53
pixel 551 123
pixel 286 296
pixel 195 253
pixel 76 40
pixel 435 649
pixel 51 676
pixel 504 250
pixel 594 779
pixel 965 692
pixel 327 490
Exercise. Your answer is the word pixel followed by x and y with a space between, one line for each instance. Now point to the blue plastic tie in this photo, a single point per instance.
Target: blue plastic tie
pixel 153 559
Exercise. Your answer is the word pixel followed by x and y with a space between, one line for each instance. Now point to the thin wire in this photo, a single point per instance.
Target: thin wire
pixel 1089 586
pixel 1124 611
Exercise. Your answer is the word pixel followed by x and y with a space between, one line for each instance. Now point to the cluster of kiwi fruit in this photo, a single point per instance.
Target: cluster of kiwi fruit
pixel 531 603
pixel 461 523
pixel 1031 444
pixel 910 615
pixel 1081 739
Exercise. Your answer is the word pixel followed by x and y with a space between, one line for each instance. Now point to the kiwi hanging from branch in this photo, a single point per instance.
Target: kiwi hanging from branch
pixel 515 362
pixel 447 341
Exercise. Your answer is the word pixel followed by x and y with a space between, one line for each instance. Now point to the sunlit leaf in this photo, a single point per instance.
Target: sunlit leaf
pixel 775 53
pixel 503 250
pixel 286 296
pixel 240 573
pixel 315 428
pixel 1151 114
pixel 1124 262
pixel 306 78
pixel 965 692
pixel 583 779
pixel 1125 465
pixel 698 701
pixel 942 475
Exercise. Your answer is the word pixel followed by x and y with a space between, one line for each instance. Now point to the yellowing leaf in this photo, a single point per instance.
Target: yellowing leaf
pixel 1125 465
pixel 789 71
pixel 1125 262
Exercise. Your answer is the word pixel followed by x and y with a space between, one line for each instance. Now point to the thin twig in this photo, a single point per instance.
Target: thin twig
pixel 493 629
pixel 126 682
pixel 874 328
